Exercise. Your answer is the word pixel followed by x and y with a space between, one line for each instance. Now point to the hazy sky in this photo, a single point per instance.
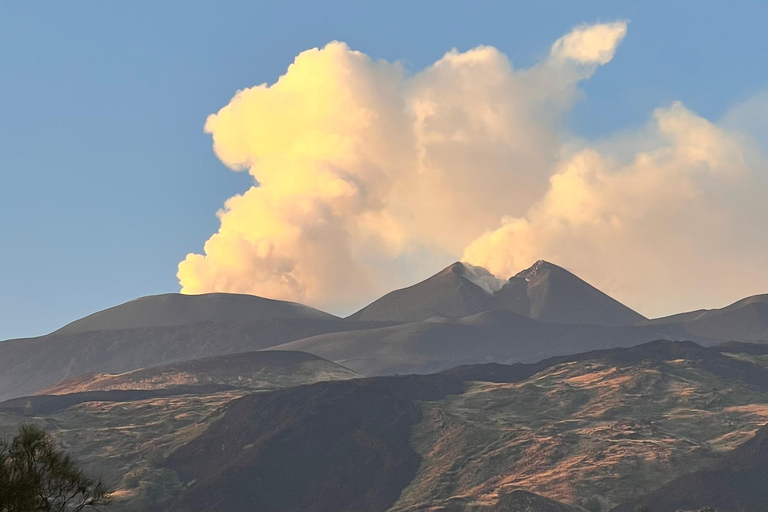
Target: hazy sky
pixel 108 180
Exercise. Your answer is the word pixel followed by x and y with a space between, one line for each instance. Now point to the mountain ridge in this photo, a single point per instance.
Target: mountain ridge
pixel 544 291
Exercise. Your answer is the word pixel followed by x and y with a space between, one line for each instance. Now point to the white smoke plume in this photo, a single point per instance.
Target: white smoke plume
pixel 365 175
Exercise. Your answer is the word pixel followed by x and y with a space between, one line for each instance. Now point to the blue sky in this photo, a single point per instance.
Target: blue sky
pixel 108 180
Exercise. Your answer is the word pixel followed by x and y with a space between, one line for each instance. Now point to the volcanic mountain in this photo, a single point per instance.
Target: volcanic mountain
pixel 173 309
pixel 543 292
pixel 744 320
pixel 458 290
pixel 550 293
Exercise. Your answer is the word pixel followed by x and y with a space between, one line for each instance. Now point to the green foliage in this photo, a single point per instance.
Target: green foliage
pixel 36 476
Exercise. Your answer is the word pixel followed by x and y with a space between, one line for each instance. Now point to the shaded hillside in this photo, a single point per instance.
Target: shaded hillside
pixel 174 309
pixel 523 501
pixel 549 293
pixel 254 370
pixel 496 336
pixel 453 292
pixel 32 364
pixel 736 483
pixel 604 426
pixel 328 447
pixel 745 320
pixel 544 292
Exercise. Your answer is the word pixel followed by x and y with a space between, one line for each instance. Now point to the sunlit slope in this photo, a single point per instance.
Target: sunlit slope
pixel 253 370
pixel 736 483
pixel 603 426
pixel 123 427
pixel 598 429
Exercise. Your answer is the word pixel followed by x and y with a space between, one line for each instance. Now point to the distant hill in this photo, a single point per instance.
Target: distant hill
pixel 736 483
pixel 174 309
pixel 543 292
pixel 744 320
pixel 253 370
pixel 500 336
pixel 31 364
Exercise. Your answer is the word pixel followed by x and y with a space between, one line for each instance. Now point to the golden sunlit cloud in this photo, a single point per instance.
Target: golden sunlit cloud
pixel 366 177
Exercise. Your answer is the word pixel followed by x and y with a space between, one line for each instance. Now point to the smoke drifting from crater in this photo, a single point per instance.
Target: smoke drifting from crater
pixel 366 177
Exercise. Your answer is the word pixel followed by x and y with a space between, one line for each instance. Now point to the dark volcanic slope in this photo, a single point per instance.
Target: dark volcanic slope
pixel 253 370
pixel 515 501
pixel 500 336
pixel 544 292
pixel 745 320
pixel 29 365
pixel 325 447
pixel 346 446
pixel 449 293
pixel 176 309
pixel 550 293
pixel 519 501
pixel 737 483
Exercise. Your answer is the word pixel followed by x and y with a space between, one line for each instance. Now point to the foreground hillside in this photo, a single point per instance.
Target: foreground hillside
pixel 593 430
pixel 599 429
pixel 739 481
pixel 123 426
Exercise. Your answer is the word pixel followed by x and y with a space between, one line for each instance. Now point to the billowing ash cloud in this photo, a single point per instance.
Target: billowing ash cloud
pixel 367 177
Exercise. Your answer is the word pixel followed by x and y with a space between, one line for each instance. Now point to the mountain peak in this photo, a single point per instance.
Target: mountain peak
pixel 550 293
pixel 482 277
pixel 538 268
pixel 543 292
pixel 458 290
